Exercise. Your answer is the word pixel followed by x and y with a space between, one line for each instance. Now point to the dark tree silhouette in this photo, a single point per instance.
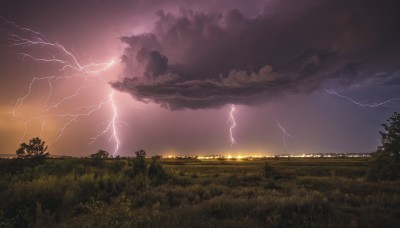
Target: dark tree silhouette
pixel 101 154
pixel 386 159
pixel 391 137
pixel 35 149
pixel 139 162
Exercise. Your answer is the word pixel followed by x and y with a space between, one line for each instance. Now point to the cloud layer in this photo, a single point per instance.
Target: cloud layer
pixel 200 60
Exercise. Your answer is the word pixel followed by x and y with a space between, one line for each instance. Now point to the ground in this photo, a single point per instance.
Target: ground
pixel 300 192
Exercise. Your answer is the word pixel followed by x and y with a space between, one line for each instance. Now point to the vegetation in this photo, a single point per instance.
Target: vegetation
pixel 301 192
pixel 35 149
pixel 386 164
pixel 156 172
pixel 141 192
pixel 100 154
pixel 391 137
pixel 139 163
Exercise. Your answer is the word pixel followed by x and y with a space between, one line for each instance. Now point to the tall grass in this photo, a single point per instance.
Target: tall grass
pixel 104 193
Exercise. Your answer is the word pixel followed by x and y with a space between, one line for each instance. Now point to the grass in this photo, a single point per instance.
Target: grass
pixel 305 192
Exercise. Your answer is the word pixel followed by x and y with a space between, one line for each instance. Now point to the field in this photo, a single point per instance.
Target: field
pixel 300 192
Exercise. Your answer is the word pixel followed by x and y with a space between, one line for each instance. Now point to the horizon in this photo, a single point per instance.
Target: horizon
pixel 222 156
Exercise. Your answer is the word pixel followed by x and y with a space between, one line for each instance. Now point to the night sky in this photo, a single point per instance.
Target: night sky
pixel 320 69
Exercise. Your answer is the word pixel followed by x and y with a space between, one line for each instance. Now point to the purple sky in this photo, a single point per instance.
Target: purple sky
pixel 180 65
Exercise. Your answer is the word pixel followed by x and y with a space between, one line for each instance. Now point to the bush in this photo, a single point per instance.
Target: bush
pixel 156 172
pixel 101 154
pixel 139 162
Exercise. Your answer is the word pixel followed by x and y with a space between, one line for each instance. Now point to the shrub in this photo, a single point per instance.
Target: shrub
pixel 156 172
pixel 101 154
pixel 139 162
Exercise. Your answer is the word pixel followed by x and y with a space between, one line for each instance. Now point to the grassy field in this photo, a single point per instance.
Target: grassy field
pixel 301 192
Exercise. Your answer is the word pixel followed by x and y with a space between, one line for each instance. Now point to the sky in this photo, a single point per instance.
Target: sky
pixel 312 76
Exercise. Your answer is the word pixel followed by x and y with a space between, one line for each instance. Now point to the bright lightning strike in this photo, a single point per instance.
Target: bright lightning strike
pixel 233 125
pixel 112 125
pixel 373 105
pixel 114 121
pixel 284 135
pixel 72 68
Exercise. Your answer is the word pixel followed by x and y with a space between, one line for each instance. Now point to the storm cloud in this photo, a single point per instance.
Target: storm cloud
pixel 200 60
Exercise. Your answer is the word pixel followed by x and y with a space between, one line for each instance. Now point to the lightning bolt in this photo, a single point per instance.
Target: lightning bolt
pixel 373 105
pixel 75 116
pixel 284 135
pixel 114 121
pixel 112 125
pixel 233 124
pixel 72 68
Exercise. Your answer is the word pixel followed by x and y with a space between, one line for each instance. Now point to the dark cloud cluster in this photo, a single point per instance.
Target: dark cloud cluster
pixel 206 60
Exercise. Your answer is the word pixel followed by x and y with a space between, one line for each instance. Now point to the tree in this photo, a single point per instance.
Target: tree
pixel 35 149
pixel 139 162
pixel 101 154
pixel 386 159
pixel 391 137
